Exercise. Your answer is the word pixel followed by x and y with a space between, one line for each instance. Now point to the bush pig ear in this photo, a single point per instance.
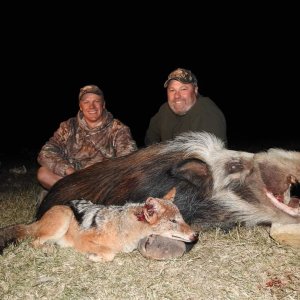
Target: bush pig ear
pixel 194 171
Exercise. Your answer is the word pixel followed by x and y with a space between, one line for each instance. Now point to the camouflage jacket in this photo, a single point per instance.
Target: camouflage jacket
pixel 75 145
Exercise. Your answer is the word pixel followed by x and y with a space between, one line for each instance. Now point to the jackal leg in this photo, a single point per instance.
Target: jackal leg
pixel 52 227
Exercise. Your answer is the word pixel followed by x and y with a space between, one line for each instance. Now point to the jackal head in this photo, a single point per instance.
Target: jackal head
pixel 166 220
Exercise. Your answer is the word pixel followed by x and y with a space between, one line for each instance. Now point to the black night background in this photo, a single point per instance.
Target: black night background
pixel 248 65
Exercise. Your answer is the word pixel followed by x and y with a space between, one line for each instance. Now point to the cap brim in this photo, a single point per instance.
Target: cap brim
pixel 166 83
pixel 176 78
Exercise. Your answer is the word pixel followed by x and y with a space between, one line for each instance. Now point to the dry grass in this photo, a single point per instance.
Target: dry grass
pixel 242 264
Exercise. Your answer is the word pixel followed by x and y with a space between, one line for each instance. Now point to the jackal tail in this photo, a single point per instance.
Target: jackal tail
pixel 12 235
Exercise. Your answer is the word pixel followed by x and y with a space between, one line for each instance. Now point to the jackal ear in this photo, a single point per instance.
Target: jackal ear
pixel 170 195
pixel 150 210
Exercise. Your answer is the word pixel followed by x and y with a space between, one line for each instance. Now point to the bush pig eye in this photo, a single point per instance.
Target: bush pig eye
pixel 234 167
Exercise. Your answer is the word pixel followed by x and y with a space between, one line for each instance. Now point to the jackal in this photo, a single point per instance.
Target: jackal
pixel 103 231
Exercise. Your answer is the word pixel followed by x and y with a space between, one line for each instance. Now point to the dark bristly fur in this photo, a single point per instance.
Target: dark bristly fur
pixel 215 186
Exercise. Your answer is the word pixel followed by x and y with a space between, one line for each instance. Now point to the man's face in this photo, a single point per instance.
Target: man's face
pixel 92 107
pixel 181 96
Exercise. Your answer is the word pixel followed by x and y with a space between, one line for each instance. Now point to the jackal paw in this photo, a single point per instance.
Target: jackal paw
pixel 160 248
pixel 97 258
pixel 94 257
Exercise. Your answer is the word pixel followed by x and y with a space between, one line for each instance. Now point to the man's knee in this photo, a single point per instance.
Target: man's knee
pixel 46 177
pixel 40 173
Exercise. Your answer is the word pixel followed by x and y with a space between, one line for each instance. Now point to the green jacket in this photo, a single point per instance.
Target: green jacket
pixel 205 115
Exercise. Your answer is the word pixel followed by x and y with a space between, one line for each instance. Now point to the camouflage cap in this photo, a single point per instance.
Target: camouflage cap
pixel 90 89
pixel 182 75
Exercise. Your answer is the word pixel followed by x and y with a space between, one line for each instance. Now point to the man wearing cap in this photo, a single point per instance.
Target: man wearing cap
pixel 92 136
pixel 185 110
